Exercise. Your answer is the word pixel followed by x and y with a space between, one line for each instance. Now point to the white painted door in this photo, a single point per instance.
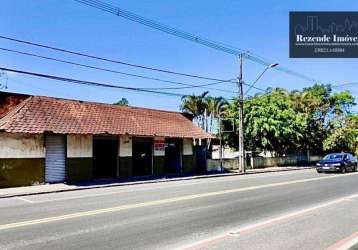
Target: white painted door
pixel 55 158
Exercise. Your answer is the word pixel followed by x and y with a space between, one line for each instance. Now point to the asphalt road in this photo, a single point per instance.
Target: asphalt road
pixel 286 210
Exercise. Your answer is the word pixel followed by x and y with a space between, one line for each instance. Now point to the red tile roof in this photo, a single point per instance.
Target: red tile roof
pixel 39 114
pixel 8 102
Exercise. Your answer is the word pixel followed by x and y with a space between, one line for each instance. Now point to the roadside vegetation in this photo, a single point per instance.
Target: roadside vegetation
pixel 315 119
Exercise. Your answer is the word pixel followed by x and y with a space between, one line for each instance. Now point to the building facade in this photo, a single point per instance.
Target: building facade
pixel 49 140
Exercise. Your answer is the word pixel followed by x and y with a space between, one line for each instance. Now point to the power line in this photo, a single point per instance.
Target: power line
pixel 191 37
pixel 345 84
pixel 204 86
pixel 89 83
pixel 66 93
pixel 95 84
pixel 121 62
pixel 110 60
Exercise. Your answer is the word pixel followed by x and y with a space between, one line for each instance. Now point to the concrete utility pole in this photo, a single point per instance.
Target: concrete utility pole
pixel 221 144
pixel 241 120
pixel 240 83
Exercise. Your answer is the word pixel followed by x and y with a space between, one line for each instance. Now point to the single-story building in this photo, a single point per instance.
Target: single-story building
pixel 48 140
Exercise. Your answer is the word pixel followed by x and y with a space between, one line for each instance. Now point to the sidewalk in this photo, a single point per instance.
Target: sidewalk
pixel 62 187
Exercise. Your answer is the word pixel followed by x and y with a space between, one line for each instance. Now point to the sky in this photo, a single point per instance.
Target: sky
pixel 257 26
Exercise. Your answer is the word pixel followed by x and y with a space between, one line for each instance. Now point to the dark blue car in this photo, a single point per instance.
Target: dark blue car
pixel 337 162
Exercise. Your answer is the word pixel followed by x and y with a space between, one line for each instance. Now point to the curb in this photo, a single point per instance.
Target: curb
pixel 150 181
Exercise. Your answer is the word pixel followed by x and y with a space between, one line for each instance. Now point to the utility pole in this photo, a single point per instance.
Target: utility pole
pixel 205 120
pixel 240 83
pixel 221 145
pixel 241 120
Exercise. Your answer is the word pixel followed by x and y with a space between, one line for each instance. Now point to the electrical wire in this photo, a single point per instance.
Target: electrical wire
pixel 345 84
pixel 96 84
pixel 121 62
pixel 89 83
pixel 110 60
pixel 191 37
pixel 204 86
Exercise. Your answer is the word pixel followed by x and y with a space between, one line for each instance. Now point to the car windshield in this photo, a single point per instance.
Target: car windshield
pixel 333 157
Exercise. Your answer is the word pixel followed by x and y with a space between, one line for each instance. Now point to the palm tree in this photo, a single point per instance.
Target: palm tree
pixel 215 106
pixel 195 105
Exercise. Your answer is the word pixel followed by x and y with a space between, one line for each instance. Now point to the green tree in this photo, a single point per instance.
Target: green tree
pixel 271 123
pixel 205 109
pixel 195 105
pixel 344 137
pixel 322 110
pixel 311 119
pixel 315 119
pixel 214 106
pixel 122 102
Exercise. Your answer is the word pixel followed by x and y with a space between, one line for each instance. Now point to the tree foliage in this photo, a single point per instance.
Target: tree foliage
pixel 344 137
pixel 205 109
pixel 122 102
pixel 282 122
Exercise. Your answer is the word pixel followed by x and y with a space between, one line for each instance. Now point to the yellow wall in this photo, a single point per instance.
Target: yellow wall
pixel 22 159
pixel 21 146
pixel 125 146
pixel 79 146
pixel 187 146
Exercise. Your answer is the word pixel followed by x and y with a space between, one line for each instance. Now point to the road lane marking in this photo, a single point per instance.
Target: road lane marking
pixel 295 214
pixel 117 192
pixel 159 202
pixel 349 241
pixel 346 243
pixel 168 185
pixel 23 199
pixel 128 191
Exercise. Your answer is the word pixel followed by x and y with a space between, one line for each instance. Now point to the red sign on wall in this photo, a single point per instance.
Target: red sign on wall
pixel 159 145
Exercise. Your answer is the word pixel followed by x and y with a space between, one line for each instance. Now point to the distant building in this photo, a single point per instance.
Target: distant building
pixel 45 139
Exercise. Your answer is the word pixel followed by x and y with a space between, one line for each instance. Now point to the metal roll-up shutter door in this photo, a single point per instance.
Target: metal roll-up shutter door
pixel 55 158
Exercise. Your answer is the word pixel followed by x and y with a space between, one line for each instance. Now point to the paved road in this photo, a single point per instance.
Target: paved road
pixel 287 210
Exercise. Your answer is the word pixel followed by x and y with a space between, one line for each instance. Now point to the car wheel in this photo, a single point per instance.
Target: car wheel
pixel 355 168
pixel 343 170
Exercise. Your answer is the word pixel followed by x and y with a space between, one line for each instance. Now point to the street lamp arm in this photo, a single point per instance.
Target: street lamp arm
pixel 259 77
